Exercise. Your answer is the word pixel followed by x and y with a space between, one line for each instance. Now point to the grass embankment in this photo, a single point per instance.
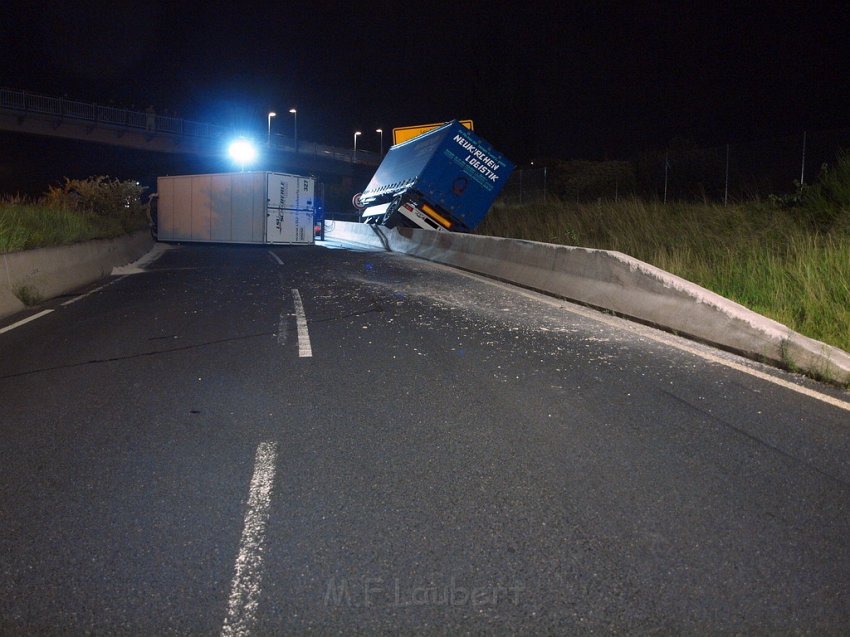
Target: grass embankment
pixel 96 208
pixel 27 225
pixel 790 262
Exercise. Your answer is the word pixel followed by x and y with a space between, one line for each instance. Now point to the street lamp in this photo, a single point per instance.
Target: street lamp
pixel 355 145
pixel 269 136
pixel 295 114
pixel 378 130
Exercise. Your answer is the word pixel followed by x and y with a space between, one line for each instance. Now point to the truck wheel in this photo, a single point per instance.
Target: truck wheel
pixel 390 211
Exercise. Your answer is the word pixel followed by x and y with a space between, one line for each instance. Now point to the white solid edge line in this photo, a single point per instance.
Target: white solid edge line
pixel 138 266
pixel 304 348
pixel 90 292
pixel 247 579
pixel 9 328
pixel 275 257
pixel 661 337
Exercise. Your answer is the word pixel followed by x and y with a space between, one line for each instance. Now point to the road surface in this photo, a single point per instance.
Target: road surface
pixel 243 440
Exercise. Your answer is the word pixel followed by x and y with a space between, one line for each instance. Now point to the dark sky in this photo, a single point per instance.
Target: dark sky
pixel 587 79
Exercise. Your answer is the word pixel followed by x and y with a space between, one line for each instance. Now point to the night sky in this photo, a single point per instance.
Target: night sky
pixel 563 79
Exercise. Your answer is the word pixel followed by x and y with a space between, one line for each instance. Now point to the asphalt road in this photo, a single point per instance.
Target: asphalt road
pixel 186 451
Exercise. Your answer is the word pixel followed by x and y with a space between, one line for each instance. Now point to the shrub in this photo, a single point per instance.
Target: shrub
pixel 77 210
pixel 827 201
pixel 588 180
pixel 28 295
pixel 99 195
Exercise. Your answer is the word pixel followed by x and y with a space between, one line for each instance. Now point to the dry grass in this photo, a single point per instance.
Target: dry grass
pixel 771 259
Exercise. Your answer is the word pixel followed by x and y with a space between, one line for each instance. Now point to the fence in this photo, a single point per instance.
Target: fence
pixel 732 172
pixel 527 185
pixel 22 103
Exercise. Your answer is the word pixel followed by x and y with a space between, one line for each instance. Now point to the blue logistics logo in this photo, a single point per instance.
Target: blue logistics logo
pixel 479 160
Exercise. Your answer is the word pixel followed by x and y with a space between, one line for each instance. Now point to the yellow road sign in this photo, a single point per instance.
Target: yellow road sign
pixel 404 133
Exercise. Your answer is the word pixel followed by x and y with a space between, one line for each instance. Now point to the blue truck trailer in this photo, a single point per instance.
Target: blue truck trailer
pixel 445 180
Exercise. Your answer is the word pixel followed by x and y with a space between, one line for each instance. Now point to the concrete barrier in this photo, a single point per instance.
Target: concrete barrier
pixel 49 272
pixel 616 282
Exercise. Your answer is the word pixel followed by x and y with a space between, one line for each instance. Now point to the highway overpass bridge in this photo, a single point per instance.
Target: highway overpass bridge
pixel 29 113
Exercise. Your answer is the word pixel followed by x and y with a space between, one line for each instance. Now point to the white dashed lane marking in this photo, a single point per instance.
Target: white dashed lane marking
pixel 248 573
pixel 304 348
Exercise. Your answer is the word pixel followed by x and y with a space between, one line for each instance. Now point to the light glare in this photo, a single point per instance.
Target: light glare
pixel 242 151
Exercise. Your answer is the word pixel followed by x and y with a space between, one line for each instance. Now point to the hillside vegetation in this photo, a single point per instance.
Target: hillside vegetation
pixel 787 257
pixel 77 210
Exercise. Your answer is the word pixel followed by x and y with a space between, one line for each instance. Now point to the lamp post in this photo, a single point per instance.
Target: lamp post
pixel 269 136
pixel 295 115
pixel 355 145
pixel 381 132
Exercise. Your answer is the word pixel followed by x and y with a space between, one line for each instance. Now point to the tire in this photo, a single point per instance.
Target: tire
pixel 390 212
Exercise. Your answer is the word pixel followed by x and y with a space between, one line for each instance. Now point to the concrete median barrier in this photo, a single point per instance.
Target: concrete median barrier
pixel 616 282
pixel 49 272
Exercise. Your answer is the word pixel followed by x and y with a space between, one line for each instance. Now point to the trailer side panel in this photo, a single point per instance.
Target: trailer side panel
pixel 223 208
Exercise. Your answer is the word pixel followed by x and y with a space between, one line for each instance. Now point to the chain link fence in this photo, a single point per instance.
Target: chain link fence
pixel 728 173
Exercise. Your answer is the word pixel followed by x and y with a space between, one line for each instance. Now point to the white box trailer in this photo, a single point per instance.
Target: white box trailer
pixel 244 207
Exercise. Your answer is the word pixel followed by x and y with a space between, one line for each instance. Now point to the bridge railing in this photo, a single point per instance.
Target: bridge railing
pixel 12 99
pixel 111 115
pixel 60 107
pixel 25 102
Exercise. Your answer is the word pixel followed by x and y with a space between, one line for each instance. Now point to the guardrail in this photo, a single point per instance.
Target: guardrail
pixel 23 102
pixel 616 282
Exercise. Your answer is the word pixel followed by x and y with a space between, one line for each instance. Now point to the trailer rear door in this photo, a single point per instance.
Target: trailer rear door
pixel 290 209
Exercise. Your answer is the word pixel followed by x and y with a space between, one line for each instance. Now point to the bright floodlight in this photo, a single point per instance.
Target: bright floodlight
pixel 243 152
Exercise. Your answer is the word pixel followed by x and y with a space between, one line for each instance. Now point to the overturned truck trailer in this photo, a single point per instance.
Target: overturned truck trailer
pixel 445 179
pixel 244 207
